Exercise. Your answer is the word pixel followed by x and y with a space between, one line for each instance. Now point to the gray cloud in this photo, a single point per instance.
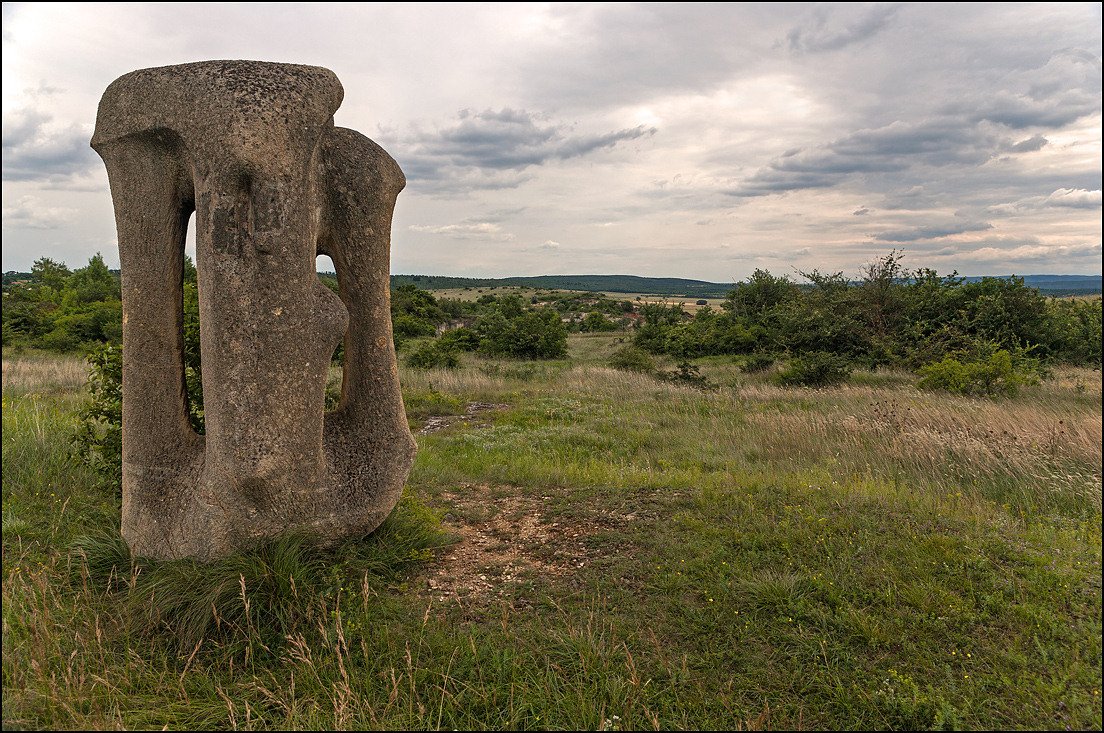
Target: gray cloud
pixel 489 149
pixel 1030 145
pixel 1057 93
pixel 1018 111
pixel 1014 250
pixel 931 231
pixel 830 28
pixel 35 150
pixel 890 149
pixel 602 54
pixel 1074 198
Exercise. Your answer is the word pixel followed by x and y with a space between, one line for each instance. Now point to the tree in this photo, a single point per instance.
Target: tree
pixel 93 282
pixel 762 294
pixel 524 335
pixel 50 273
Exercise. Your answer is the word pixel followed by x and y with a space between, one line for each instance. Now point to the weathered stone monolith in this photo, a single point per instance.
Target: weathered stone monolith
pixel 251 148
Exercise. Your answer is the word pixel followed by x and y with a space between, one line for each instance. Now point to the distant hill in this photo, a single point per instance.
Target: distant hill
pixel 1058 285
pixel 676 287
pixel 670 286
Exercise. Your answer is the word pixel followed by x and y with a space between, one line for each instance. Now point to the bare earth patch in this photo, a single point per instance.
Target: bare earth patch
pixel 506 544
pixel 441 422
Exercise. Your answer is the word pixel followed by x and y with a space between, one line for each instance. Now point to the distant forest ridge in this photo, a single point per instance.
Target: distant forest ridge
pixel 677 287
pixel 671 287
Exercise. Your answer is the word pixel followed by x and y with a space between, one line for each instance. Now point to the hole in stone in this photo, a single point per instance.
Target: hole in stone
pixel 327 273
pixel 193 376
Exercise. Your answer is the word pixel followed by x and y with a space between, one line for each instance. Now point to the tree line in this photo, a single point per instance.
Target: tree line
pixel 890 316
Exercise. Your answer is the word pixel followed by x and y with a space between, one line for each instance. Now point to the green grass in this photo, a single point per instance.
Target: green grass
pixel 603 551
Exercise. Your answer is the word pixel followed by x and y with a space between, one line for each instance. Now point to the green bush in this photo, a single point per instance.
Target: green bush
pixel 595 322
pixel 521 335
pixel 687 374
pixel 99 436
pixel 463 339
pixel 632 359
pixel 997 375
pixel 433 354
pixel 815 369
pixel 757 363
pixel 1076 325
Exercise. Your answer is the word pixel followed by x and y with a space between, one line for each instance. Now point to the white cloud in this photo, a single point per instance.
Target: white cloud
pixel 473 230
pixel 1032 253
pixel 1074 198
pixel 30 213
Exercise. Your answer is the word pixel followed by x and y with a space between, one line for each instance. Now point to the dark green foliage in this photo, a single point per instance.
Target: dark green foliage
pixel 1076 331
pixel 508 331
pixel 815 369
pixel 414 312
pixel 462 339
pixel 757 363
pixel 99 435
pixel 193 372
pixel 997 375
pixel 433 354
pixel 633 359
pixel 61 310
pixel 687 374
pixel 92 283
pixel 595 322
pixel 890 317
pixel 762 295
pixel 50 273
pixel 98 438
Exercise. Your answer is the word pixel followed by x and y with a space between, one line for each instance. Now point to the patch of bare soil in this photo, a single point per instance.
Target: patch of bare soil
pixel 434 424
pixel 506 543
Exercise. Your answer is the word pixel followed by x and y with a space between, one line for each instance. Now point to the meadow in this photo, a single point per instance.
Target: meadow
pixel 585 548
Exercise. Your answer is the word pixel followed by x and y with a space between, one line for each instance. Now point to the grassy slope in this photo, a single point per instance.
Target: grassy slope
pixel 637 555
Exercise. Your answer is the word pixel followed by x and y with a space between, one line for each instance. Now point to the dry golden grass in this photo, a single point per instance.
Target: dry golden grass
pixel 29 373
pixel 1040 448
pixel 1040 444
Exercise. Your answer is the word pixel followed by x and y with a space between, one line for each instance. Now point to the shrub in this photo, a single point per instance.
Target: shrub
pixel 595 322
pixel 462 338
pixel 815 369
pixel 1076 325
pixel 538 335
pixel 757 363
pixel 99 436
pixel 997 375
pixel 433 354
pixel 687 374
pixel 632 359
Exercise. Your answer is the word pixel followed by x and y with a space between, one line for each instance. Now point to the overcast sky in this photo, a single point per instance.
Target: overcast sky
pixel 699 141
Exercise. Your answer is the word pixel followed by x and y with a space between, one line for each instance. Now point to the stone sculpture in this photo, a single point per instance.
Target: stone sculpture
pixel 252 149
